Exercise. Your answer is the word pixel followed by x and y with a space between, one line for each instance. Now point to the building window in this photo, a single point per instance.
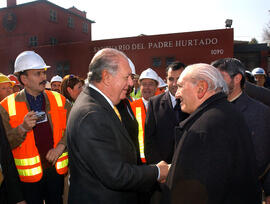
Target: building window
pixel 85 27
pixel 33 41
pixel 169 60
pixel 156 62
pixel 53 41
pixel 53 15
pixel 62 68
pixel 70 22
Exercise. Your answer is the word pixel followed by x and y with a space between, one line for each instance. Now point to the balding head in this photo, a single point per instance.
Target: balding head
pixel 105 59
pixel 110 72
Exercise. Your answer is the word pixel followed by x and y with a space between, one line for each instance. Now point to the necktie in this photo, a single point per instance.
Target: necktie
pixel 177 110
pixel 117 113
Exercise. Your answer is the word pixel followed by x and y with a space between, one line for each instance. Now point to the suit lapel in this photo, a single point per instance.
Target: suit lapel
pixel 166 103
pixel 107 107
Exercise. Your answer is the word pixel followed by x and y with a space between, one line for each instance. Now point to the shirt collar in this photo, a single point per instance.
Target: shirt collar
pixel 236 97
pixel 173 99
pixel 145 102
pixel 35 103
pixel 107 99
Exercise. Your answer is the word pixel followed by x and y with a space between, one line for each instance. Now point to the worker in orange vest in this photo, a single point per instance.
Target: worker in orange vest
pixel 17 86
pixel 6 86
pixel 35 122
pixel 162 86
pixel 148 85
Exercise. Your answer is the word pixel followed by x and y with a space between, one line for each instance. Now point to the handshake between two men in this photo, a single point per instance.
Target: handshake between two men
pixel 163 171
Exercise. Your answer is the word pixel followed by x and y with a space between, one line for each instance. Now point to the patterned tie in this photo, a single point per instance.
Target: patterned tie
pixel 117 113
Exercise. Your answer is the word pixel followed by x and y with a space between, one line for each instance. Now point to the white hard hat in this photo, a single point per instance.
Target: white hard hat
pixel 29 60
pixel 161 83
pixel 258 71
pixel 133 70
pixel 149 74
pixel 56 78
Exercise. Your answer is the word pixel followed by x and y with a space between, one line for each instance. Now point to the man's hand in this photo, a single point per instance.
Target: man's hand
pixel 164 169
pixel 29 121
pixel 54 154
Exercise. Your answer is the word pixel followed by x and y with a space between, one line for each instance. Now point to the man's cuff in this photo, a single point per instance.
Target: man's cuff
pixel 158 173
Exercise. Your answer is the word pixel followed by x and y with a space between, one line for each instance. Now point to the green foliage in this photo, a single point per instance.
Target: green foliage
pixel 253 41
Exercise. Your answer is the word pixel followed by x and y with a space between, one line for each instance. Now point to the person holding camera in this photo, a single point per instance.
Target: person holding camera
pixel 35 123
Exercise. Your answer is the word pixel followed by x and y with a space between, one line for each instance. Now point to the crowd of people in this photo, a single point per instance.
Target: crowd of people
pixel 202 136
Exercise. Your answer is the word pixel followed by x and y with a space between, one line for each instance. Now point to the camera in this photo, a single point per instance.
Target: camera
pixel 42 117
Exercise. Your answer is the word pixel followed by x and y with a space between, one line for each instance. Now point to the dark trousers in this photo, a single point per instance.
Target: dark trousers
pixel 49 188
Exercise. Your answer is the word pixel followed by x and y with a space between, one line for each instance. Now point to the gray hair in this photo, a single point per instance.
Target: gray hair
pixel 209 74
pixel 105 59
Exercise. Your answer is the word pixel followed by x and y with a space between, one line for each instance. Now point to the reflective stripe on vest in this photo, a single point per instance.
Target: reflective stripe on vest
pixel 30 172
pixel 62 163
pixel 27 161
pixel 11 105
pixel 140 135
pixel 58 98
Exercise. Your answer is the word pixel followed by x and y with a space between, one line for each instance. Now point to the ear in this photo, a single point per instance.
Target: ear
pixel 202 87
pixel 106 77
pixel 23 79
pixel 69 90
pixel 237 78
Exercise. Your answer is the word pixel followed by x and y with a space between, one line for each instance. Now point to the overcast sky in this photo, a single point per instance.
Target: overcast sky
pixel 125 18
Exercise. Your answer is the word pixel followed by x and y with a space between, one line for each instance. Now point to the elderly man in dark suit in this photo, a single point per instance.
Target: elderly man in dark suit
pixel 256 114
pixel 164 113
pixel 214 161
pixel 103 162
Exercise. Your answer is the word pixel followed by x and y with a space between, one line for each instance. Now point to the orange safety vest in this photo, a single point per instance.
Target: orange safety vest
pixel 26 156
pixel 140 113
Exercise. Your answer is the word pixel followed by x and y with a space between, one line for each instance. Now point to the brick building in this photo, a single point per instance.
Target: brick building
pixel 37 24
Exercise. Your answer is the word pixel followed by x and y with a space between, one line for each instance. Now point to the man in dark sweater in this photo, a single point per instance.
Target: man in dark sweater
pixel 256 114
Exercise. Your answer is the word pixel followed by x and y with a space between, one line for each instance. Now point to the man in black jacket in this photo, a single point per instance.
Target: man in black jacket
pixel 164 113
pixel 256 114
pixel 10 189
pixel 214 161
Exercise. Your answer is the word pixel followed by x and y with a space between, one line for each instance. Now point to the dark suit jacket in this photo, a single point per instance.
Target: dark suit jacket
pixel 10 190
pixel 214 161
pixel 130 123
pixel 159 134
pixel 103 161
pixel 257 116
pixel 261 94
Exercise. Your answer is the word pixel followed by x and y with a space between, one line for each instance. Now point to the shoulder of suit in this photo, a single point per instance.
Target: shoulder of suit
pixel 158 97
pixel 257 104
